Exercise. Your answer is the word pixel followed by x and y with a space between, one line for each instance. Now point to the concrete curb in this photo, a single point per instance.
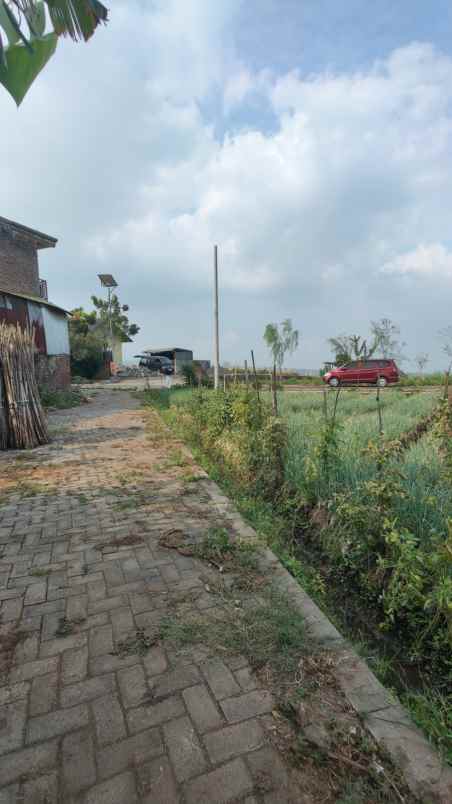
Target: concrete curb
pixel 428 778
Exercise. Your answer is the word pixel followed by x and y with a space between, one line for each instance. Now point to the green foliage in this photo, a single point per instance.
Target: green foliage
pixel 384 342
pixel 433 713
pixel 86 352
pixel 61 399
pixel 188 373
pixel 29 47
pixel 233 428
pixel 20 67
pixel 420 381
pixel 364 522
pixel 89 334
pixel 120 325
pixel 281 340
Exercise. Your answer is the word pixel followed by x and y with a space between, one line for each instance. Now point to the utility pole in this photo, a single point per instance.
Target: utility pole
pixel 216 337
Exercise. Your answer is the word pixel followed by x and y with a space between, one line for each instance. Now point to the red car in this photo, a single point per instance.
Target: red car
pixel 363 372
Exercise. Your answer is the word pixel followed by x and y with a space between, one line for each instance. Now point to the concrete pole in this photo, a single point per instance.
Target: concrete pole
pixel 216 336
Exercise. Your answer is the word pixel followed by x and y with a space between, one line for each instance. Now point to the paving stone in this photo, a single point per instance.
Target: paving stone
pixel 140 603
pixel 155 661
pixel 246 679
pixel 109 663
pixel 55 646
pixel 266 767
pixel 157 784
pixel 29 762
pixel 225 784
pixel 12 723
pixel 43 790
pixel 10 794
pixel 36 593
pixel 184 748
pixel 119 790
pixel 74 665
pixel 107 604
pixel 150 620
pixel 50 624
pixel 79 769
pixel 109 719
pixel 233 740
pixel 87 690
pixel 128 753
pixel 77 608
pixel 94 621
pixel 153 714
pixel 56 723
pixel 113 574
pixel 177 679
pixel 170 573
pixel 132 684
pixel 248 705
pixel 44 694
pixel 100 641
pixel 31 669
pixel 220 679
pixel 11 609
pixel 14 692
pixel 201 708
pixel 96 591
pixel 122 622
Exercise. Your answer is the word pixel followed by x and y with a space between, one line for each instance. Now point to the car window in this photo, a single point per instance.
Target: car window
pixel 350 366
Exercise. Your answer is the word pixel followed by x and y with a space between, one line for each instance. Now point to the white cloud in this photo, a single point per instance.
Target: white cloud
pixel 432 261
pixel 351 175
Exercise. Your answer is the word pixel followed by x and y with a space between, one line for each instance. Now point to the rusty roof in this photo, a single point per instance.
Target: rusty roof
pixel 34 299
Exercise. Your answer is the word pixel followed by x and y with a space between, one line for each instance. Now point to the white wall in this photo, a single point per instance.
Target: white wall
pixel 56 330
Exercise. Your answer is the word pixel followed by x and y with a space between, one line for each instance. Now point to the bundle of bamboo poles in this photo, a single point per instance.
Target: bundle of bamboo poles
pixel 22 420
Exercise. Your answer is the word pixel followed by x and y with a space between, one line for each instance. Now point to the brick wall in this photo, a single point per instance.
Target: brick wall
pixel 53 372
pixel 19 272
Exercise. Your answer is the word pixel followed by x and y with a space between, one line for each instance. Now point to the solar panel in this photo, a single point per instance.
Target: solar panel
pixel 107 281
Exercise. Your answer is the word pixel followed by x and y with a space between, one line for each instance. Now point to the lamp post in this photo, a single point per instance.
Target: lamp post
pixel 108 281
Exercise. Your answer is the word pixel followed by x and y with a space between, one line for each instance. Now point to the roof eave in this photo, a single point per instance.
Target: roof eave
pixel 40 239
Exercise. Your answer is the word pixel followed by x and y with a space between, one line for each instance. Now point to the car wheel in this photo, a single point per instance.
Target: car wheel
pixel 334 382
pixel 382 382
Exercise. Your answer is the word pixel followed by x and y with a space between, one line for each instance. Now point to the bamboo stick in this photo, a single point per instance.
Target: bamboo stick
pixel 22 420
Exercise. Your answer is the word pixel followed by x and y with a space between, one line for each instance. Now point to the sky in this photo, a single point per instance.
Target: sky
pixel 310 139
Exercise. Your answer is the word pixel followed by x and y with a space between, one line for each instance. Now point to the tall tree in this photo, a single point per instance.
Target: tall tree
pixel 120 325
pixel 351 347
pixel 386 334
pixel 89 333
pixel 383 341
pixel 421 361
pixel 32 29
pixel 281 339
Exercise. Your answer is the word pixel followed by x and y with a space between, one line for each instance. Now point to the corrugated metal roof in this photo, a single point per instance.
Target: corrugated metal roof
pixel 35 299
pixel 167 349
pixel 41 240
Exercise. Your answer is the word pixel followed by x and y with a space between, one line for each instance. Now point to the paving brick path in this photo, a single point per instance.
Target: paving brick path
pixel 80 722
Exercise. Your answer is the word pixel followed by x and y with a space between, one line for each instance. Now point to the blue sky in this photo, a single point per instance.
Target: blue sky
pixel 310 140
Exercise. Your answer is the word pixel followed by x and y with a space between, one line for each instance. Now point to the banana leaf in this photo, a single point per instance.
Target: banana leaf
pixel 76 18
pixel 36 17
pixel 10 29
pixel 22 67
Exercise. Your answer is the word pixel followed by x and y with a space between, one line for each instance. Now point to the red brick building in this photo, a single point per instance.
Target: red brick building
pixel 23 299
